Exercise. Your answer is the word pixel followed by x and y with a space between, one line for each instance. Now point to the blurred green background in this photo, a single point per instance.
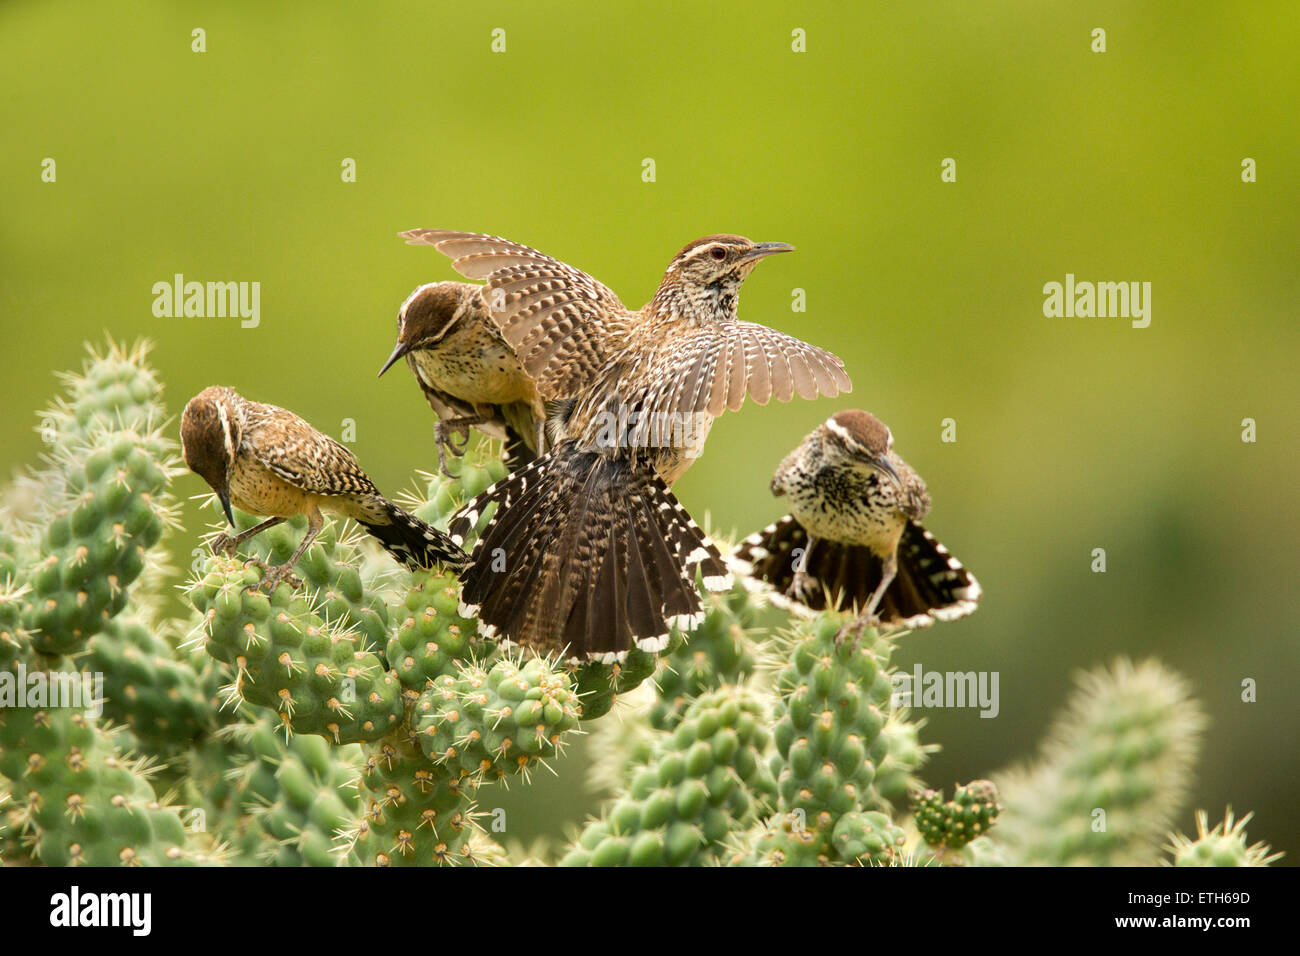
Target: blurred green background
pixel 1073 434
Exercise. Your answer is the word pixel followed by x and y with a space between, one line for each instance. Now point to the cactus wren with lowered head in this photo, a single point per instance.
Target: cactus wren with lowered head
pixel 468 373
pixel 853 538
pixel 269 462
pixel 599 557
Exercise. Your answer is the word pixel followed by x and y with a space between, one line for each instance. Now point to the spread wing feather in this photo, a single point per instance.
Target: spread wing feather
pixel 562 323
pixel 565 326
pixel 713 369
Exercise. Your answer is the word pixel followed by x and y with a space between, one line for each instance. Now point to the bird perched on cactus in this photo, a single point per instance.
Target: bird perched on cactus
pixel 853 538
pixel 269 462
pixel 588 548
pixel 467 372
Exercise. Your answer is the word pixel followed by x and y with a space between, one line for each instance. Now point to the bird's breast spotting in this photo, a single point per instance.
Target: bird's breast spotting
pixel 838 505
pixel 259 491
pixel 489 376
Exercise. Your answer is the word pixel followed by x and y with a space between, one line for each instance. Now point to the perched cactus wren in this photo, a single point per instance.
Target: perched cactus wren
pixel 588 548
pixel 468 373
pixel 853 538
pixel 269 462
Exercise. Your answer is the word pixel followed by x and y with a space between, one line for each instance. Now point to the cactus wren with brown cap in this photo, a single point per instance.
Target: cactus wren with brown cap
pixel 599 556
pixel 467 372
pixel 853 538
pixel 269 462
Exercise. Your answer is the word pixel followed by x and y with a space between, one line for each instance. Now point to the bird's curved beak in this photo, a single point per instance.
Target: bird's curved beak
pixel 223 495
pixel 882 465
pixel 762 250
pixel 401 349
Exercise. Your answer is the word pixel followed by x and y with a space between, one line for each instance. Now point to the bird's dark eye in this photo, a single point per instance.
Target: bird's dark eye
pixel 718 253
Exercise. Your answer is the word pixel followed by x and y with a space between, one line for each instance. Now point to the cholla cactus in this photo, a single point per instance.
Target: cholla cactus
pixel 78 796
pixel 954 823
pixel 355 719
pixel 1113 772
pixel 1223 845
pixel 415 812
pixel 867 837
pixel 698 785
pixel 717 650
pixel 319 676
pixel 160 699
pixel 15 642
pixel 833 700
pixel 272 801
pixel 8 848
pixel 905 754
pixel 491 724
pixel 83 802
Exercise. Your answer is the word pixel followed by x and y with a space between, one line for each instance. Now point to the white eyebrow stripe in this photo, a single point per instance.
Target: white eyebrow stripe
pixel 225 429
pixel 842 432
pixel 701 250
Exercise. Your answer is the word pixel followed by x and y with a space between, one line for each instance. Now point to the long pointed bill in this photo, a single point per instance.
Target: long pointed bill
pixel 398 352
pixel 762 250
pixel 882 464
pixel 224 497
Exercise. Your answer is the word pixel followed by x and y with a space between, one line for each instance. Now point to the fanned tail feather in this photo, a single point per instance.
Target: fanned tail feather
pixel 930 584
pixel 586 553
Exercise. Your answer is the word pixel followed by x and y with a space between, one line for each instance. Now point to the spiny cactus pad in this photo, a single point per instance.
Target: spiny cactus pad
pixel 116 389
pixel 904 755
pixel 301 793
pixel 1112 772
pixel 699 785
pixel 15 642
pixel 954 823
pixel 83 802
pixel 490 724
pixel 318 677
pixel 416 813
pixel 431 637
pixel 599 684
pixel 833 703
pixel 716 651
pixel 1224 844
pixel 96 539
pixel 158 697
pixel 867 837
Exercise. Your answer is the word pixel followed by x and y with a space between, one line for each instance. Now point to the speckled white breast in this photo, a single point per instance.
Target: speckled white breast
pixel 475 368
pixel 845 506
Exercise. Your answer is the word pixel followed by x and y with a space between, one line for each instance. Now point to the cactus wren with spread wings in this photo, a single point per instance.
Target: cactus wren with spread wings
pixel 269 462
pixel 468 373
pixel 599 556
pixel 853 538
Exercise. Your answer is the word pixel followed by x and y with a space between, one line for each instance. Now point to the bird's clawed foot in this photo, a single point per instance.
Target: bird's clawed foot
pixel 272 577
pixel 853 630
pixel 444 433
pixel 224 544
